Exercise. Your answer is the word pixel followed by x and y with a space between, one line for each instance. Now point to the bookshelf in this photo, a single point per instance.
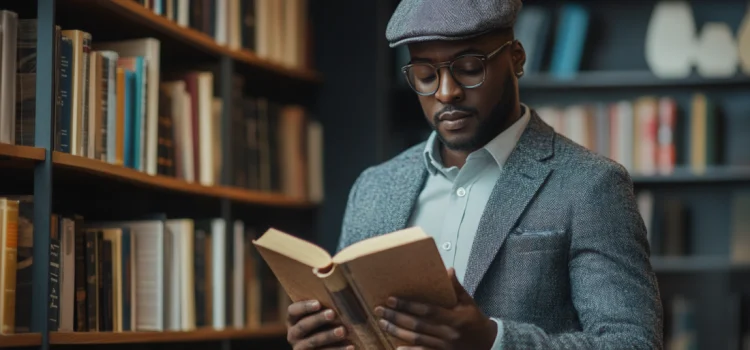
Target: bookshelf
pixel 20 340
pixel 111 172
pixel 103 338
pixel 200 335
pixel 683 176
pixel 21 153
pixel 135 14
pixel 624 79
pixel 613 68
pixel 692 264
pixel 237 199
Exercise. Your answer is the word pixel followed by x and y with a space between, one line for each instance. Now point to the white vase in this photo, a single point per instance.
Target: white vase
pixel 716 51
pixel 670 39
pixel 743 43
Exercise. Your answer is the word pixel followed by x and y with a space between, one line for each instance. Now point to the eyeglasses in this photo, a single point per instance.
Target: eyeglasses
pixel 467 70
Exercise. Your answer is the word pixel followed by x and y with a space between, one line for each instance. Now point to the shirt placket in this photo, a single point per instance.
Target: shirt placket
pixel 456 210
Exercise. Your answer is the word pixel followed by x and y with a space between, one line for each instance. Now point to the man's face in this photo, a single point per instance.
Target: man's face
pixel 467 118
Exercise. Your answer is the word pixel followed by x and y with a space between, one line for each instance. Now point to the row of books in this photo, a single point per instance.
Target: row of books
pixel 555 37
pixel 681 319
pixel 669 221
pixel 647 135
pixel 274 147
pixel 156 274
pixel 277 30
pixel 115 104
pixel 680 331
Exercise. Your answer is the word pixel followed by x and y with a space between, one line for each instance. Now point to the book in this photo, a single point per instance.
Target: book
pixel 404 264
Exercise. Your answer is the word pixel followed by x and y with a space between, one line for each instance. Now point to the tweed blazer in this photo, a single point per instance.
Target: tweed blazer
pixel 560 255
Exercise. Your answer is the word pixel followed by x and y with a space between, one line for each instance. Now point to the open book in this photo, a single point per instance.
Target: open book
pixel 404 264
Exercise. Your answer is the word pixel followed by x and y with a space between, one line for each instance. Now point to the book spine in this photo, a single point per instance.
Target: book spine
pixel 83 127
pixel 91 281
pixel 365 333
pixel 24 262
pixel 26 82
pixel 125 283
pixel 9 221
pixel 53 306
pixel 66 321
pixel 106 287
pixel 101 144
pixel 63 126
pixel 100 297
pixel 81 315
pixel 199 260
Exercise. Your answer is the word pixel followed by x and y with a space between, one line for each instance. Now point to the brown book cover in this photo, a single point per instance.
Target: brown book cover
pixel 360 277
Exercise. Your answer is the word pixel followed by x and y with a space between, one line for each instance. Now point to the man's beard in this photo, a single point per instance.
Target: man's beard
pixel 488 128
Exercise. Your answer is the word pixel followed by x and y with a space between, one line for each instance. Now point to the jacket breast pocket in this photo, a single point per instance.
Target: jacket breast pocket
pixel 525 241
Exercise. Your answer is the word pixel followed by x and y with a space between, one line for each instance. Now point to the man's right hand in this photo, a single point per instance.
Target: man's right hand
pixel 311 328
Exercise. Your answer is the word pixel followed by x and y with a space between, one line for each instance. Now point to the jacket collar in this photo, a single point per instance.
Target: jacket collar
pixel 409 173
pixel 499 147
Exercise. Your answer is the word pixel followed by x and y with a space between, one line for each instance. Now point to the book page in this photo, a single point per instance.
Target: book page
pixel 380 243
pixel 294 248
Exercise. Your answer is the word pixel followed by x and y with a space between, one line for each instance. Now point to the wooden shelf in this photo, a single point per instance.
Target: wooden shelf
pixel 120 173
pixel 138 15
pixel 20 340
pixel 684 175
pixel 696 264
pixel 623 79
pixel 21 152
pixel 80 338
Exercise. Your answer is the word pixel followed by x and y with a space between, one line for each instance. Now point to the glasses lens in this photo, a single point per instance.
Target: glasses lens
pixel 468 71
pixel 422 78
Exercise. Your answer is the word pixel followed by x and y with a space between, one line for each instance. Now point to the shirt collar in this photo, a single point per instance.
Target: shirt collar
pixel 499 147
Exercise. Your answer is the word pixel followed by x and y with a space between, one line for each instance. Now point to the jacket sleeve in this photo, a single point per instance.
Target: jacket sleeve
pixel 613 287
pixel 348 232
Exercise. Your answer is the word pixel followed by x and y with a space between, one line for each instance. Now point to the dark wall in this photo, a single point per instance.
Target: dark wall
pixel 349 39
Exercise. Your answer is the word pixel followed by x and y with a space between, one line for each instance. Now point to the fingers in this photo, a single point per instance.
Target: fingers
pixel 412 337
pixel 432 313
pixel 416 324
pixel 297 310
pixel 322 339
pixel 307 325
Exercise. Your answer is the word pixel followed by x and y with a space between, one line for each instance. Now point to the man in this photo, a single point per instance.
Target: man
pixel 542 238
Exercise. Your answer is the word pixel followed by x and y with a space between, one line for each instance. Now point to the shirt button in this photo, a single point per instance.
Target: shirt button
pixel 447 245
pixel 461 192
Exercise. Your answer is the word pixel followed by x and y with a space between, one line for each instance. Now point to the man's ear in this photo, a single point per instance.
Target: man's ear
pixel 519 57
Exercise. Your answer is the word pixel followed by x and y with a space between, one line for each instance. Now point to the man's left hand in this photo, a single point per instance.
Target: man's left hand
pixel 424 326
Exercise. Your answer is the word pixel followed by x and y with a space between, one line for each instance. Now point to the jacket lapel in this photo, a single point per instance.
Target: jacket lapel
pixel 522 176
pixel 400 196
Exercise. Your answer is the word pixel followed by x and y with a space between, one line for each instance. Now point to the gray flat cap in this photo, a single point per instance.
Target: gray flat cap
pixel 424 20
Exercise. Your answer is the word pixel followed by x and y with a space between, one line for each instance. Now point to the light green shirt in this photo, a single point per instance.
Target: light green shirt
pixel 453 199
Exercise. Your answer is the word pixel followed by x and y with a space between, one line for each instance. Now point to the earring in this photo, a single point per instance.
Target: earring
pixel 519 73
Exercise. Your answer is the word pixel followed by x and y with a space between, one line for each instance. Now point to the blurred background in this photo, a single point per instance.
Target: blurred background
pixel 662 87
pixel 217 119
